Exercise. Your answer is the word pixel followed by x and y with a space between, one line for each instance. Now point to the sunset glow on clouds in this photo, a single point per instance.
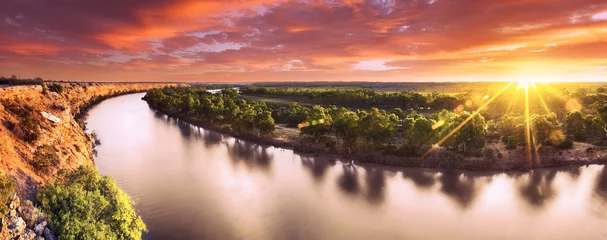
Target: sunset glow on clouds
pixel 304 40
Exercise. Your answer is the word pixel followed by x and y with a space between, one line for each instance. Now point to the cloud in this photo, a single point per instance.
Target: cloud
pixel 237 40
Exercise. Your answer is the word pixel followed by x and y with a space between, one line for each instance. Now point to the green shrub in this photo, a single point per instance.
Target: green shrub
pixel 7 187
pixel 85 205
pixel 45 156
pixel 27 130
pixel 55 87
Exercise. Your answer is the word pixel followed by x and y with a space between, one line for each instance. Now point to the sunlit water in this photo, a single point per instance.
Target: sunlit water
pixel 190 183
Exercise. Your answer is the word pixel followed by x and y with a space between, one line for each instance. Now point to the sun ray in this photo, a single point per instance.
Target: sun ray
pixel 544 105
pixel 512 103
pixel 527 129
pixel 481 108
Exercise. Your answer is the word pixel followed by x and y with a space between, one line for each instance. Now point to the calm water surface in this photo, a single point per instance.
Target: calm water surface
pixel 190 183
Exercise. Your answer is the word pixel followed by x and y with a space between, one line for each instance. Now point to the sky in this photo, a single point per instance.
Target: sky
pixel 304 40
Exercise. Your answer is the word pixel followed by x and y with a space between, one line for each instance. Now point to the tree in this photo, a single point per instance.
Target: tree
pixel 378 126
pixel 601 118
pixel 346 127
pixel 85 205
pixel 264 122
pixel 421 131
pixel 600 89
pixel 398 112
pixel 471 133
pixel 542 126
pixel 575 124
pixel 318 123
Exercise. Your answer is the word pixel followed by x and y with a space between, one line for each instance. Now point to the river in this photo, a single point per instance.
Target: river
pixel 190 183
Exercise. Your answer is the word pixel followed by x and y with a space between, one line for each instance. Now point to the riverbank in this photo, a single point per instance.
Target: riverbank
pixel 502 159
pixel 34 118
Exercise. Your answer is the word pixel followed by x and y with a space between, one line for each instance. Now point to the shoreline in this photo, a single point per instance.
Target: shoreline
pixel 435 160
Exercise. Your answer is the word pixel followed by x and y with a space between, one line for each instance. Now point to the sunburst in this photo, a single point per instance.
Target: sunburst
pixel 522 84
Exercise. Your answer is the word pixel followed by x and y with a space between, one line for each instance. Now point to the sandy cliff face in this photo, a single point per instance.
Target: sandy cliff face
pixel 61 142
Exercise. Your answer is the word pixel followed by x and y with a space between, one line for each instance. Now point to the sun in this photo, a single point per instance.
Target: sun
pixel 524 83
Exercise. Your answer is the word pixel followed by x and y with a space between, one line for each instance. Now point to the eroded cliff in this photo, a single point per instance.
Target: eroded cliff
pixel 39 133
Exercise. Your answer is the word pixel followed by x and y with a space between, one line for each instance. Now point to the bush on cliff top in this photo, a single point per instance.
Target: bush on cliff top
pixel 85 205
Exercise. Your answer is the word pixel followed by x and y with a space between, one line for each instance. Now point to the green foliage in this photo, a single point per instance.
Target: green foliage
pixel 468 130
pixel 318 123
pixel 85 205
pixel 264 122
pixel 419 130
pixel 293 115
pixel 575 124
pixel 55 87
pixel 226 106
pixel 7 187
pixel 359 98
pixel 398 112
pixel 346 126
pixel 542 126
pixel 27 130
pixel 601 115
pixel 44 157
pixel 378 126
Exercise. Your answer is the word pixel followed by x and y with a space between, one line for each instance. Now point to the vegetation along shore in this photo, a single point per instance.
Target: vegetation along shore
pixel 504 128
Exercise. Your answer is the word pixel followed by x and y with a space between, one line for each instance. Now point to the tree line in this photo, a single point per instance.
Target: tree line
pixel 396 131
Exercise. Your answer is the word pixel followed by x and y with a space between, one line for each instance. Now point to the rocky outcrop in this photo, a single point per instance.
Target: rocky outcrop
pixel 51 118
pixel 24 222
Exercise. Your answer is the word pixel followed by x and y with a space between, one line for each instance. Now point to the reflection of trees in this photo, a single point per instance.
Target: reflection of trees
pixel 376 183
pixel 601 183
pixel 461 189
pixel 318 166
pixel 184 128
pixel 538 190
pixel 158 114
pixel 348 181
pixel 211 138
pixel 251 154
pixel 421 178
pixel 600 192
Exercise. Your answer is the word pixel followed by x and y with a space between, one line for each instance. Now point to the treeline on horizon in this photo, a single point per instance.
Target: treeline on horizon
pixel 394 131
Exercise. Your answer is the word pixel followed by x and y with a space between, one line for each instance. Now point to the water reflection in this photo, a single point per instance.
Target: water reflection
pixel 376 184
pixel 317 165
pixel 191 183
pixel 420 177
pixel 459 187
pixel 538 190
pixel 251 154
pixel 348 181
